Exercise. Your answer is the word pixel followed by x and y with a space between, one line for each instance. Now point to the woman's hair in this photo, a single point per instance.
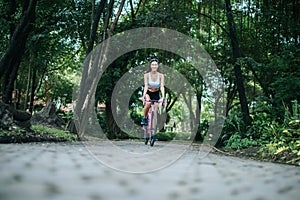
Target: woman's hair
pixel 152 60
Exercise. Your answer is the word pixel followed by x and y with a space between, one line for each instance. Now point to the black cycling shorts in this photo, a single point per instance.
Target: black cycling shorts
pixel 153 95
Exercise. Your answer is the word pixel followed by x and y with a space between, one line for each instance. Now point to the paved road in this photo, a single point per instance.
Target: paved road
pixel 73 172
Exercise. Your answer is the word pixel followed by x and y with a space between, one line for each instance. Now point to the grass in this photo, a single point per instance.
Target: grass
pixel 38 133
pixel 56 132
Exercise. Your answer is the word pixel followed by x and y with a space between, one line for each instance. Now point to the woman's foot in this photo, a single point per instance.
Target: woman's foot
pixel 144 121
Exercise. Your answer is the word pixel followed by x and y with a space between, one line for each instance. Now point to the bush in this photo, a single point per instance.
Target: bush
pixel 237 142
pixel 66 116
pixel 280 140
pixel 183 136
pixel 165 136
pixel 286 140
pixel 55 132
pixel 38 133
pixel 168 136
pixel 232 126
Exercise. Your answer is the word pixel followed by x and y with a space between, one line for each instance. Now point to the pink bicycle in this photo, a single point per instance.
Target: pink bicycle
pixel 151 128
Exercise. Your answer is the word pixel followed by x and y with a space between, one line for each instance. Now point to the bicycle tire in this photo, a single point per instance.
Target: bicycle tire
pixel 154 128
pixel 149 128
pixel 146 141
pixel 146 138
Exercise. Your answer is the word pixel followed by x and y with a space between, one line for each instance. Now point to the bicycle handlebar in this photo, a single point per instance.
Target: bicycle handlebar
pixel 154 101
pixel 162 101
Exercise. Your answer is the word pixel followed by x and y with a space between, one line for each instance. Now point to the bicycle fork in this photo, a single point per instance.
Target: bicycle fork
pixel 149 131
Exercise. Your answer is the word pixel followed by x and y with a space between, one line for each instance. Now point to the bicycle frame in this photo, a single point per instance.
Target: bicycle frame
pixel 150 130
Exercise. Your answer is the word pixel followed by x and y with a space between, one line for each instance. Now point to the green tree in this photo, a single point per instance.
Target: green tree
pixel 11 59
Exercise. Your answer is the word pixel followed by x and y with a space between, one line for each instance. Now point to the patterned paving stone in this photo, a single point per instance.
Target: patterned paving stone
pixel 47 171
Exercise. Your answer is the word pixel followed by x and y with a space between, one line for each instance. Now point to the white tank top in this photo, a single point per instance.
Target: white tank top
pixel 155 84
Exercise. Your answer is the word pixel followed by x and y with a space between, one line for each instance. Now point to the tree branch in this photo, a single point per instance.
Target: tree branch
pixel 116 18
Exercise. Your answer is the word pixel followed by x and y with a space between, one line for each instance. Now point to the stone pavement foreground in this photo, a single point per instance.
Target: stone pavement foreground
pixel 69 171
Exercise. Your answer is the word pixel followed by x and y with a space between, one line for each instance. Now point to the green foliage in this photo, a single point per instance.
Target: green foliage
pixel 36 134
pixel 203 128
pixel 12 136
pixel 136 117
pixel 279 140
pixel 168 136
pixel 183 136
pixel 237 142
pixel 234 134
pixel 65 115
pixel 287 136
pixel 56 132
pixel 15 132
pixel 232 126
pixel 103 123
pixel 165 136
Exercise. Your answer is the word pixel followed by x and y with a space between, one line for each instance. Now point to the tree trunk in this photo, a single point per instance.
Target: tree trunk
pixel 133 18
pixel 113 129
pixel 33 88
pixel 48 117
pixel 237 68
pixel 106 22
pixel 192 117
pixel 95 23
pixel 28 85
pixel 138 8
pixel 11 77
pixel 10 61
pixel 112 27
pixel 295 17
pixel 198 136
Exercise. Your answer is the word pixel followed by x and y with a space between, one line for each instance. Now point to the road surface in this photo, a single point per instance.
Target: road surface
pixel 71 171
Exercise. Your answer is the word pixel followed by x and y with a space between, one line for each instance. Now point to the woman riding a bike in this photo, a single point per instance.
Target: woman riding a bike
pixel 153 83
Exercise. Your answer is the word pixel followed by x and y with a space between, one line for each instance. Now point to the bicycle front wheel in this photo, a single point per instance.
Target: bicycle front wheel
pixel 153 128
pixel 146 135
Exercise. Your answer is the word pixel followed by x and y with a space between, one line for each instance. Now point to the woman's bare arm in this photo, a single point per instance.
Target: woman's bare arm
pixel 145 85
pixel 162 86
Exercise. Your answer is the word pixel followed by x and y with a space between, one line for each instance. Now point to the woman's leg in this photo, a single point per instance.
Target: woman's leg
pixel 147 106
pixel 146 110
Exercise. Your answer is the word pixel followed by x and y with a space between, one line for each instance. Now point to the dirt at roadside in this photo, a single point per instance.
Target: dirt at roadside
pixel 256 153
